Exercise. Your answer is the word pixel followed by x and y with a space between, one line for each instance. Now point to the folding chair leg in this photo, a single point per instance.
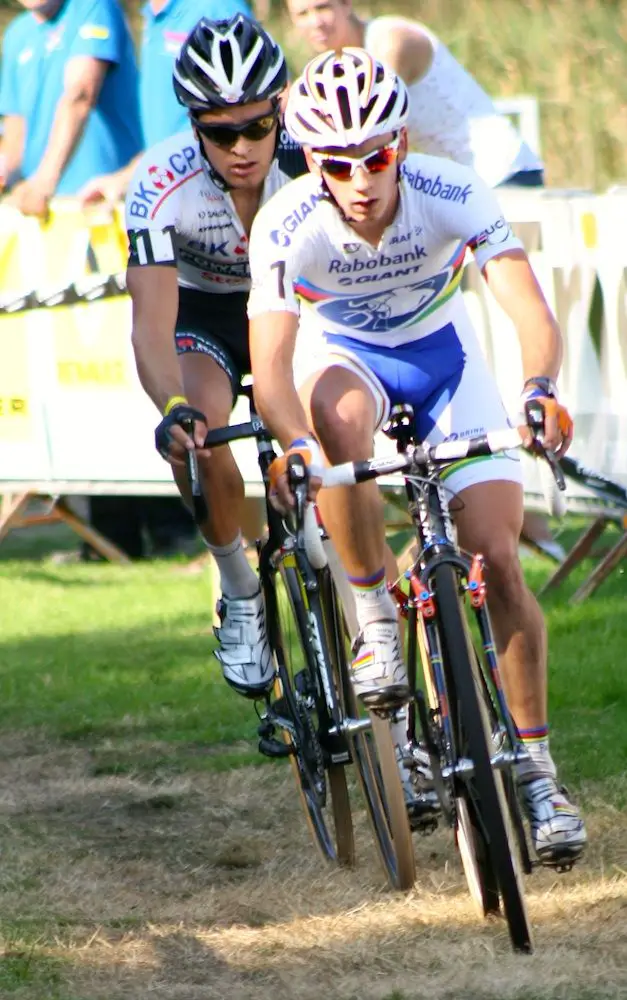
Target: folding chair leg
pixel 579 551
pixel 602 571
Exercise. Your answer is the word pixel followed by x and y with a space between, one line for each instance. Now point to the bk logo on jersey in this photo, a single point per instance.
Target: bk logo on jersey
pixel 161 177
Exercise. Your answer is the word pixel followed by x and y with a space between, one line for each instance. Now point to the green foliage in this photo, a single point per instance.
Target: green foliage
pixel 120 660
pixel 570 54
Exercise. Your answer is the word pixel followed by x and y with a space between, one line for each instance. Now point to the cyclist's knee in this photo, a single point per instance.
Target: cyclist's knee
pixel 503 569
pixel 345 426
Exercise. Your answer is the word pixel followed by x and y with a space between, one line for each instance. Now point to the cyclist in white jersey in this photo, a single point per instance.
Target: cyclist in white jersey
pixel 189 210
pixel 450 114
pixel 355 305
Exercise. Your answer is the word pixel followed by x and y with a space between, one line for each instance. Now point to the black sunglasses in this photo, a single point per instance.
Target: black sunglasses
pixel 227 135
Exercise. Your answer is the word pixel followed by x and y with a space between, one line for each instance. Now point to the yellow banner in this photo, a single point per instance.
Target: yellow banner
pixel 91 345
pixel 15 396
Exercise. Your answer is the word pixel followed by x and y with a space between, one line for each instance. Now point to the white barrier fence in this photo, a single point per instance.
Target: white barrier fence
pixel 73 418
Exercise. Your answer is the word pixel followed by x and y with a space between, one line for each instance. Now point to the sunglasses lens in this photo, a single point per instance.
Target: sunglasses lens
pixel 380 160
pixel 260 128
pixel 375 163
pixel 227 135
pixel 338 169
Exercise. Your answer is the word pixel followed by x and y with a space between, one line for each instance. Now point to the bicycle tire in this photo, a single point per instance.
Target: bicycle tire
pixel 331 829
pixel 469 838
pixel 491 804
pixel 394 801
pixel 399 866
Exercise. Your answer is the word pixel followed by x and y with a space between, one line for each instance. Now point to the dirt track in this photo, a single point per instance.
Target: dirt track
pixel 206 887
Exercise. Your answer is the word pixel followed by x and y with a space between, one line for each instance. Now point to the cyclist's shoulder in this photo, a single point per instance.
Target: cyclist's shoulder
pixel 160 174
pixel 440 181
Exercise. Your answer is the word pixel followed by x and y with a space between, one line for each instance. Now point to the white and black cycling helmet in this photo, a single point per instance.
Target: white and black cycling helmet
pixel 343 98
pixel 222 63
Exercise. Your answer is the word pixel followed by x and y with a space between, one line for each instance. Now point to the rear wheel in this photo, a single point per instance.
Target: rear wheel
pixel 489 841
pixel 320 780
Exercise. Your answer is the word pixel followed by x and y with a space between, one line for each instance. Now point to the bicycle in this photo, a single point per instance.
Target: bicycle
pixel 312 716
pixel 462 714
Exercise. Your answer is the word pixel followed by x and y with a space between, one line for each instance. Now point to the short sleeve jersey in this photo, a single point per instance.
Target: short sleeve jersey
pixel 35 56
pixel 163 35
pixel 306 259
pixel 179 215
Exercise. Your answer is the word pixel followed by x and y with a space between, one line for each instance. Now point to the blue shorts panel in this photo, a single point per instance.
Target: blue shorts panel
pixel 425 373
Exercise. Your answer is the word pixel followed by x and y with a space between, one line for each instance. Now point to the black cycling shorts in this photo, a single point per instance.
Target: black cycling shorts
pixel 216 325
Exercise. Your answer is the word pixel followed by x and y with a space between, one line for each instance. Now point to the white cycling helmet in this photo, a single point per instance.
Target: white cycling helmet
pixel 228 62
pixel 343 98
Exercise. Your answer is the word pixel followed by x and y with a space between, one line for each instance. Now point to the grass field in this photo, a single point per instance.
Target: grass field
pixel 147 852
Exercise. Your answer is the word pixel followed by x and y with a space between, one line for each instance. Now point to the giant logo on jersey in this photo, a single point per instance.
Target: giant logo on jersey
pixel 292 221
pixel 381 311
pixel 371 268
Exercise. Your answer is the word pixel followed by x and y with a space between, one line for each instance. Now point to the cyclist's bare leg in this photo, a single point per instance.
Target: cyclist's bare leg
pixel 342 413
pixel 208 388
pixel 244 653
pixel 490 523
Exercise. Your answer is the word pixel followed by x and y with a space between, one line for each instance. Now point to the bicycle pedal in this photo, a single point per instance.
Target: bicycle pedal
pixel 301 683
pixel 270 746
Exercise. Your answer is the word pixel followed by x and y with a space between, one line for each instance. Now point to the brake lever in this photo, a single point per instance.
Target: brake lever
pixel 199 503
pixel 298 481
pixel 534 415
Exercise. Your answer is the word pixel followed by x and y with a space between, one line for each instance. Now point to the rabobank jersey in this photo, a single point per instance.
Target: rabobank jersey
pixel 306 259
pixel 179 214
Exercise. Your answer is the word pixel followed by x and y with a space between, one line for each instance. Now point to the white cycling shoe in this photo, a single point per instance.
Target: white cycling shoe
pixel 244 653
pixel 557 829
pixel 379 672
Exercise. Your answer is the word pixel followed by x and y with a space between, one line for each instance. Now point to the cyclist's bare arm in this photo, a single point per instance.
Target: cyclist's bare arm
pixel 403 46
pixel 272 340
pixel 154 291
pixel 515 287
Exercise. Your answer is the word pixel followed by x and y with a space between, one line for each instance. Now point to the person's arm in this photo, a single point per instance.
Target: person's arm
pixel 154 293
pixel 272 339
pixel 403 46
pixel 515 287
pixel 109 187
pixel 11 148
pixel 83 80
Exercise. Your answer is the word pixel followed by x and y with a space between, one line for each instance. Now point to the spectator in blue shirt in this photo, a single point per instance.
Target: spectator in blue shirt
pixel 69 97
pixel 166 25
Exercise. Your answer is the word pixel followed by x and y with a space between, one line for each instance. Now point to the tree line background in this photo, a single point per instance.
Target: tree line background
pixel 570 54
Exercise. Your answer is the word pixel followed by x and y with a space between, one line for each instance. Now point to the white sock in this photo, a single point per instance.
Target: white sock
pixel 372 599
pixel 541 763
pixel 237 577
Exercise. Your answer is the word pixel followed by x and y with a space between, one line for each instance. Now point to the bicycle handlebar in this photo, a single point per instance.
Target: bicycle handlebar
pixel 350 473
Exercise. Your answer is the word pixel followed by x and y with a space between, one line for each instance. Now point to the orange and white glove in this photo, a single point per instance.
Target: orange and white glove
pixel 558 423
pixel 308 448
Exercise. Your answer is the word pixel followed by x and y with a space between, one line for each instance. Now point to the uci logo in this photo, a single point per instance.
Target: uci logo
pixel 280 237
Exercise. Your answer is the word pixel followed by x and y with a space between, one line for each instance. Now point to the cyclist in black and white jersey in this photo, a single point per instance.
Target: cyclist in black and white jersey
pixel 356 307
pixel 189 210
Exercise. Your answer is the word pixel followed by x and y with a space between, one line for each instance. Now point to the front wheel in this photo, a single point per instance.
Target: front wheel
pixel 321 781
pixel 492 813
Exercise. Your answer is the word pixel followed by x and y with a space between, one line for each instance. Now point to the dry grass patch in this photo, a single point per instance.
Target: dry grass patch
pixel 205 886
